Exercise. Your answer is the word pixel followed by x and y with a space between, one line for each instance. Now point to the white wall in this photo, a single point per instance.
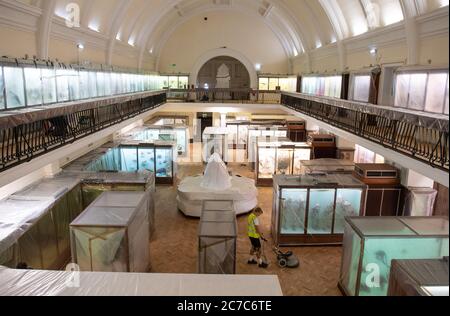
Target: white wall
pixel 237 31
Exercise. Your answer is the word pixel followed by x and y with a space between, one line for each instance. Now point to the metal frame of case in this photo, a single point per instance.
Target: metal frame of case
pixel 306 238
pixel 363 237
pixel 278 145
pixel 219 216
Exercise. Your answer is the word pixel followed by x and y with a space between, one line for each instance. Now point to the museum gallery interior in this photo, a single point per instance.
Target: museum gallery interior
pixel 140 140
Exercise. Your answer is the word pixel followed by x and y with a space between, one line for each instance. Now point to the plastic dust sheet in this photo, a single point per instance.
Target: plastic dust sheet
pixel 217 238
pixel 112 234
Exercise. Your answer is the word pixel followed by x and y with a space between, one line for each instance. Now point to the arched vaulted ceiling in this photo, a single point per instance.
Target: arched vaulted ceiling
pixel 299 25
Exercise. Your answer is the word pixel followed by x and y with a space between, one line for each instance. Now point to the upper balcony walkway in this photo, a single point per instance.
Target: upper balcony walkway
pixel 28 133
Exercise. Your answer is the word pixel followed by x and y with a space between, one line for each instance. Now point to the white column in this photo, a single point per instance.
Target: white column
pixel 43 33
pixel 342 53
pixel 412 40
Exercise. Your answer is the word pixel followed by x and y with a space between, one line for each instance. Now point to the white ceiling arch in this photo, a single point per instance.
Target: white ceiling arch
pixel 160 30
pixel 299 25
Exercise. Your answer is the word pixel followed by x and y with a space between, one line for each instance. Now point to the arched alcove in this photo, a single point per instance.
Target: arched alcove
pixel 224 52
pixel 224 72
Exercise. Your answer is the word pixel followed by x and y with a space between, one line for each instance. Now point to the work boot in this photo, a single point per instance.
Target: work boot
pixel 252 262
pixel 264 265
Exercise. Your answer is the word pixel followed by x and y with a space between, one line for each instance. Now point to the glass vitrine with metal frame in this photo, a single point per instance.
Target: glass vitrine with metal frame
pixel 279 157
pixel 310 210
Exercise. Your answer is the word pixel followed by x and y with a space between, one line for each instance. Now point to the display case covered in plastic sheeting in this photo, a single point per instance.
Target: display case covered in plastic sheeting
pixel 371 243
pixel 112 234
pixel 94 184
pixel 101 284
pixel 419 278
pixel 279 157
pixel 34 224
pixel 420 201
pixel 217 238
pixel 215 141
pixel 328 166
pixel 310 210
pixel 132 157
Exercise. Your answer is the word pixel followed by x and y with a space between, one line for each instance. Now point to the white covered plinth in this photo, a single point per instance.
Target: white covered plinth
pixel 216 185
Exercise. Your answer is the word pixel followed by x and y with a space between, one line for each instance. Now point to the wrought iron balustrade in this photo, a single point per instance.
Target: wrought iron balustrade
pixel 29 133
pixel 422 136
pixel 249 96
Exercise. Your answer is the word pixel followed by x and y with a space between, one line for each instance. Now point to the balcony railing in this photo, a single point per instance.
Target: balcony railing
pixel 420 135
pixel 225 96
pixel 29 133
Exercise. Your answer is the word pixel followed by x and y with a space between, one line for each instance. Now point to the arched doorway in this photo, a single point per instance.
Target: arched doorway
pixel 223 72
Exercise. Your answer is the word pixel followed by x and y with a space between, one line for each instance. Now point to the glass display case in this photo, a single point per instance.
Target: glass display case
pixel 34 86
pixel 255 133
pixel 35 224
pixel 371 243
pixel 419 278
pixel 14 87
pixel 157 158
pixel 239 131
pixel 215 140
pixel 112 234
pixel 178 134
pixel 310 210
pixel 279 157
pixel 328 166
pixel 94 184
pixel 217 238
pixel 31 82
